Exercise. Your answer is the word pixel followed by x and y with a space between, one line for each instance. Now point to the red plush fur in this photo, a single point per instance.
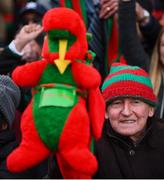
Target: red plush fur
pixel 86 117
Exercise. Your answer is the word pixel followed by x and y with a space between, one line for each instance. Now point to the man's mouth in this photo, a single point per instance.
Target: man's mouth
pixel 130 121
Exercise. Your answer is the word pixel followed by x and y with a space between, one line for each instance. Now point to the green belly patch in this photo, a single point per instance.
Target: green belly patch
pixel 57 96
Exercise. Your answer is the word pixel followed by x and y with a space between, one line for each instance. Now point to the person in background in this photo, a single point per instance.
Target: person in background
pixel 104 32
pixel 148 27
pixel 135 54
pixel 26 46
pixel 104 28
pixel 12 56
pixel 32 13
pixel 157 72
pixel 155 7
pixel 131 145
pixel 10 98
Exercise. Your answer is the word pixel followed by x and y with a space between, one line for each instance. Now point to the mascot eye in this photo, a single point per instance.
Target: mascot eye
pixel 55 35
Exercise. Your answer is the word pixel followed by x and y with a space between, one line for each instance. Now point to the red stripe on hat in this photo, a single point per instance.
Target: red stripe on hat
pixel 115 64
pixel 129 88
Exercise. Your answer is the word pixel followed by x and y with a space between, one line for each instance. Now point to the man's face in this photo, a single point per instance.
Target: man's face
pixel 128 116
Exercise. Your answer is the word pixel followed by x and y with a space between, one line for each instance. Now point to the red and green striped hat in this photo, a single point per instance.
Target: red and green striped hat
pixel 128 81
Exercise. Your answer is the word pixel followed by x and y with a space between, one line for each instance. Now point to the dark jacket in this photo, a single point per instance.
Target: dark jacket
pixel 7 145
pixel 8 61
pixel 119 158
pixel 150 33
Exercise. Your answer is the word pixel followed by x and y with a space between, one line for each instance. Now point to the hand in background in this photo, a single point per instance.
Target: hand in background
pixel 140 14
pixel 108 8
pixel 27 34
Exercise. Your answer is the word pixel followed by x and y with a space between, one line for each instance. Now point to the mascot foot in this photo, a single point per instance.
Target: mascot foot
pixel 22 159
pixel 77 163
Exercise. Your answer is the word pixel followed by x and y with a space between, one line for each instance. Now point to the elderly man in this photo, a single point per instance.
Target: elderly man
pixel 132 142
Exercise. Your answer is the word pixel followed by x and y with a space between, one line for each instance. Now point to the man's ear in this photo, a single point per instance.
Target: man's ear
pixel 106 115
pixel 3 125
pixel 151 111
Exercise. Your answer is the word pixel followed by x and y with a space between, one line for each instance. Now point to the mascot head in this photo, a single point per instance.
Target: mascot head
pixel 66 37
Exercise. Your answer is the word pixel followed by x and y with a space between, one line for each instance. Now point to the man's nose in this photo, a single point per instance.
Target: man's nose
pixel 126 110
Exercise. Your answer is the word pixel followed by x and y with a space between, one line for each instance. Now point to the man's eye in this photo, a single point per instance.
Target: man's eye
pixel 136 101
pixel 116 103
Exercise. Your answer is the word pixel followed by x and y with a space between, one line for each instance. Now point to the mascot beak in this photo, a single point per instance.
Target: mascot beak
pixel 62 63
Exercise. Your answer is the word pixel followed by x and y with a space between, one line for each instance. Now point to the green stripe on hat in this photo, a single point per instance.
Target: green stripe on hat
pixel 119 68
pixel 127 77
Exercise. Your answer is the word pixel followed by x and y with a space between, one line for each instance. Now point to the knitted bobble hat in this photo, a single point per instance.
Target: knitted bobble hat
pixel 9 98
pixel 128 81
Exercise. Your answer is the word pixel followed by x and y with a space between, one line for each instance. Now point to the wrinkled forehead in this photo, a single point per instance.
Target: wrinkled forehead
pixel 126 98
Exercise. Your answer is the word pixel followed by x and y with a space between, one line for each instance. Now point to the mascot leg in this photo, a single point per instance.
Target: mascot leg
pixel 31 151
pixel 68 172
pixel 74 157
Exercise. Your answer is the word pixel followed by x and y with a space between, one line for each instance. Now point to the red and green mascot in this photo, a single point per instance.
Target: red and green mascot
pixel 67 109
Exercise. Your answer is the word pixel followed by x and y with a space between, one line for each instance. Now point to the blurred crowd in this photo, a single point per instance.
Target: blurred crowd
pixel 10 14
pixel 134 30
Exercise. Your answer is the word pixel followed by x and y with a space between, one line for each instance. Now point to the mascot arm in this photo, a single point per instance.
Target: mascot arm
pixel 96 111
pixel 29 74
pixel 85 76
